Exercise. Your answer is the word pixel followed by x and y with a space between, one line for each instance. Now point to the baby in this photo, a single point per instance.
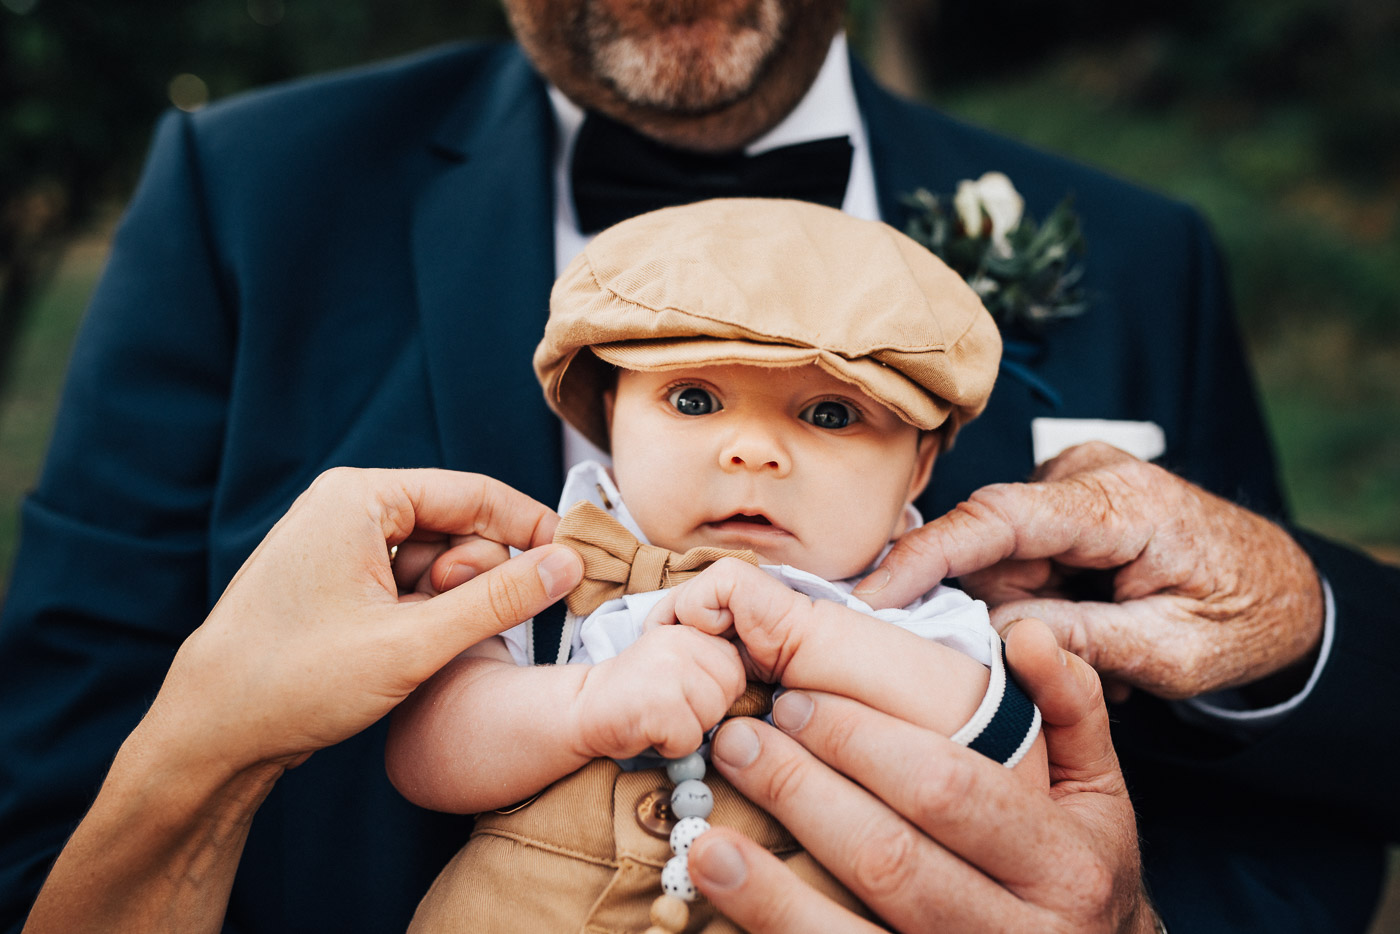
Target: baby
pixel 773 379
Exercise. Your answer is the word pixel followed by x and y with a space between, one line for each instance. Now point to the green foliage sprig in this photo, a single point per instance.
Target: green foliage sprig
pixel 1027 274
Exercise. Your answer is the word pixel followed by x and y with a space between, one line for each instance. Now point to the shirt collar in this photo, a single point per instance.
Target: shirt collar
pixel 829 108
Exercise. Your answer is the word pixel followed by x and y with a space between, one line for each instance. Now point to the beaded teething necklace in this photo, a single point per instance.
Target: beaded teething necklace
pixel 692 801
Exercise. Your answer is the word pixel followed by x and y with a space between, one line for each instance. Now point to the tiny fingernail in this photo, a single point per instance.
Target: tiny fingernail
pixel 723 865
pixel 792 711
pixel 555 572
pixel 874 583
pixel 736 745
pixel 1064 657
pixel 455 576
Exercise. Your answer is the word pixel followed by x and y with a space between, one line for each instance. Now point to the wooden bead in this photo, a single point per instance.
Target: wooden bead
pixel 670 913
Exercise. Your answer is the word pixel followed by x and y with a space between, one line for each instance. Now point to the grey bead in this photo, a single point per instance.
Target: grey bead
pixel 686 768
pixel 692 798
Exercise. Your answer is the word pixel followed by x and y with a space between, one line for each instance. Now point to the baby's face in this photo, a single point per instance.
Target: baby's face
pixel 790 462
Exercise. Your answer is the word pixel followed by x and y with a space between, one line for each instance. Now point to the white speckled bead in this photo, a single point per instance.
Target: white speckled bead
pixel 692 798
pixel 685 832
pixel 675 879
pixel 686 767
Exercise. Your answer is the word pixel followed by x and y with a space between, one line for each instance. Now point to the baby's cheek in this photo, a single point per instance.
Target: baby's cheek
pixel 850 541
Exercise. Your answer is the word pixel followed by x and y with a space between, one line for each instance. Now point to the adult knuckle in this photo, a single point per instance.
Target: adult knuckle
pixel 885 861
pixel 838 744
pixel 335 479
pixel 944 793
pixel 507 598
pixel 784 780
pixel 1095 890
pixel 992 503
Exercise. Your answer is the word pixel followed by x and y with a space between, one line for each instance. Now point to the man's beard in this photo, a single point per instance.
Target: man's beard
pixel 690 73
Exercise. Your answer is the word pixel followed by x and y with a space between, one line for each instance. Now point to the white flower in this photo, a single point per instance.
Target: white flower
pixel 991 198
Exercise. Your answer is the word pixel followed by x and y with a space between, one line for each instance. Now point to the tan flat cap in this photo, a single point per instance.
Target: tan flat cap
pixel 768 282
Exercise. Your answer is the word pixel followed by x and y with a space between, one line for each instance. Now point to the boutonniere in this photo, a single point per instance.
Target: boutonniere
pixel 1026 273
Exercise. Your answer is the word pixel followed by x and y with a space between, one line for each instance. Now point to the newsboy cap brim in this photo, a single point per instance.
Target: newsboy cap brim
pixel 773 283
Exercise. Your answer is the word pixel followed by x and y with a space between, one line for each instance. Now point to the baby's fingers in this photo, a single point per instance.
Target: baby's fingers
pixel 467 558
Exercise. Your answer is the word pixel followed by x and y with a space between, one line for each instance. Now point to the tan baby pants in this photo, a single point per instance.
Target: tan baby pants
pixel 580 858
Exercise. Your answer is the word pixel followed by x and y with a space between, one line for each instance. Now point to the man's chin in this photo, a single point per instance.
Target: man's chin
pixel 678 81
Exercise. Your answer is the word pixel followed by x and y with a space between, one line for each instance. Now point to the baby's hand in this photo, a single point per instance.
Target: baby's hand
pixel 663 692
pixel 734 597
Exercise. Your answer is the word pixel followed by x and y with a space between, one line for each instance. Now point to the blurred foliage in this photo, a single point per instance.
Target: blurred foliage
pixel 81 82
pixel 1281 122
pixel 1285 118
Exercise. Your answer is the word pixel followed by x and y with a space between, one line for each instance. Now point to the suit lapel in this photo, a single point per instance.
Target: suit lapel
pixel 483 247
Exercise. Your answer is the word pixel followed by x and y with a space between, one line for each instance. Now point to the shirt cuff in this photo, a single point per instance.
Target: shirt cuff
pixel 1228 712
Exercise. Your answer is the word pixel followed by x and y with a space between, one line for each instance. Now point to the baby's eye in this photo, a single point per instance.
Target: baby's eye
pixel 692 400
pixel 829 415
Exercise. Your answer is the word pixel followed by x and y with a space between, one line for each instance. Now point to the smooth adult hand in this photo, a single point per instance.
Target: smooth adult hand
pixel 1201 594
pixel 313 641
pixel 928 834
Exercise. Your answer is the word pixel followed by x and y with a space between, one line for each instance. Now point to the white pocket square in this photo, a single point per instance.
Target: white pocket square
pixel 1050 436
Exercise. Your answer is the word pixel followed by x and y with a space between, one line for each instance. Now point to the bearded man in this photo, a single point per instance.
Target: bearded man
pixel 342 271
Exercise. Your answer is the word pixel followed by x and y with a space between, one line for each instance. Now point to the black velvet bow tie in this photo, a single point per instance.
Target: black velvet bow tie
pixel 618 173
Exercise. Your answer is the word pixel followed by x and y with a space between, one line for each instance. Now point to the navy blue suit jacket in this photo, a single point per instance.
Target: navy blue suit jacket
pixel 355 270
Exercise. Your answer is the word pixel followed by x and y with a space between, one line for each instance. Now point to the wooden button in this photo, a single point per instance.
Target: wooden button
pixel 654 813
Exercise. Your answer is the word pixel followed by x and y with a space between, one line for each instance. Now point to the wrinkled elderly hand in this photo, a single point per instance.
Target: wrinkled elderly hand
pixel 928 834
pixel 1201 594
pixel 314 640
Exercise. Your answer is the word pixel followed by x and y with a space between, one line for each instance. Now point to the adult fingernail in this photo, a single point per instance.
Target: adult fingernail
pixel 556 572
pixel 792 711
pixel 722 865
pixel 736 744
pixel 874 583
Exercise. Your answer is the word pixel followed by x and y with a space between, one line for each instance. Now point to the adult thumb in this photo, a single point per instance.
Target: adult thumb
pixel 1070 698
pixel 489 604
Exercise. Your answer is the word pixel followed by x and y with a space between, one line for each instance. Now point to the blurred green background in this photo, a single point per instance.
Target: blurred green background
pixel 1279 119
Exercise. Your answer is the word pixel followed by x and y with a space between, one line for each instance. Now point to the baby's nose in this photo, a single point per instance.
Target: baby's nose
pixel 756 450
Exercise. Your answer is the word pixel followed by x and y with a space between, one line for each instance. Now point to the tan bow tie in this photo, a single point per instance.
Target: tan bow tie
pixel 615 563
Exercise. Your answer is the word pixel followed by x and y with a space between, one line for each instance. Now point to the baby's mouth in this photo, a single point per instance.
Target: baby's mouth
pixel 747 523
